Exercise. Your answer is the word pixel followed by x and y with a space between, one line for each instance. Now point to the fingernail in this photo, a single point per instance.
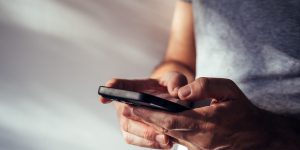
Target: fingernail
pixel 185 91
pixel 126 112
pixel 162 140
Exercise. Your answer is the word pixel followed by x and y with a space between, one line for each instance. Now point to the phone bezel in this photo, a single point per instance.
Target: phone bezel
pixel 141 99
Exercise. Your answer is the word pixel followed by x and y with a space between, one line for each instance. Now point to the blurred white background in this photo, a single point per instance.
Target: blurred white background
pixel 53 56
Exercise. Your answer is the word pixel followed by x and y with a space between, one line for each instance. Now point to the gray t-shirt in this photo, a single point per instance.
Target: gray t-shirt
pixel 256 44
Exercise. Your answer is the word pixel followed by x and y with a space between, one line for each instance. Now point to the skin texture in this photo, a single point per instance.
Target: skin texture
pixel 230 122
pixel 179 67
pixel 181 51
pixel 134 130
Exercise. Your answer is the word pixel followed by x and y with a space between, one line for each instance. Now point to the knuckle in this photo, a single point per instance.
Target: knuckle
pixel 125 111
pixel 119 107
pixel 192 124
pixel 171 123
pixel 124 124
pixel 203 84
pixel 203 81
pixel 229 81
pixel 234 89
pixel 149 134
pixel 208 127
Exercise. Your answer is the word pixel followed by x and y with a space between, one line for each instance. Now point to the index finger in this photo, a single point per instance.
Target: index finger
pixel 166 120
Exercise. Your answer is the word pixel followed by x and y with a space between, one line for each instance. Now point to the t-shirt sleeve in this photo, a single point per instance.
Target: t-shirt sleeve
pixel 188 1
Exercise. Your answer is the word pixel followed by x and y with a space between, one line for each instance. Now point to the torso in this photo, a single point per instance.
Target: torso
pixel 256 44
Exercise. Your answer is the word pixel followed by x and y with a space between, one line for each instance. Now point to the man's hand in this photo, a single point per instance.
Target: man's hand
pixel 134 130
pixel 230 122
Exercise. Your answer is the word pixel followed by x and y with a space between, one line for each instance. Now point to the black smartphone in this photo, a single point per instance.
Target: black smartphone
pixel 143 99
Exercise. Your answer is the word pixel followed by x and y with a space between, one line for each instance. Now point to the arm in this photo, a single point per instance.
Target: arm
pixel 180 58
pixel 181 53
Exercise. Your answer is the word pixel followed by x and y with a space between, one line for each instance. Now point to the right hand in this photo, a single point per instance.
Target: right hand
pixel 134 130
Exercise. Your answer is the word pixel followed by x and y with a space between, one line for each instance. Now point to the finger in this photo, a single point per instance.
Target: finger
pixel 138 141
pixel 134 125
pixel 134 85
pixel 119 108
pixel 131 85
pixel 166 120
pixel 113 83
pixel 174 81
pixel 216 88
pixel 138 128
pixel 124 110
pixel 127 111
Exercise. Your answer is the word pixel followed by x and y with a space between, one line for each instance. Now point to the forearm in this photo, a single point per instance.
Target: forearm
pixel 180 53
pixel 175 66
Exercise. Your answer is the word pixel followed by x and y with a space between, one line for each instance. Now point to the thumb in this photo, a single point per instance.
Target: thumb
pixel 173 81
pixel 210 88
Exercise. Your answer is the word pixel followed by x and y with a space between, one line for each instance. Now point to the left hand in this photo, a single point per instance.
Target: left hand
pixel 230 122
pixel 135 131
